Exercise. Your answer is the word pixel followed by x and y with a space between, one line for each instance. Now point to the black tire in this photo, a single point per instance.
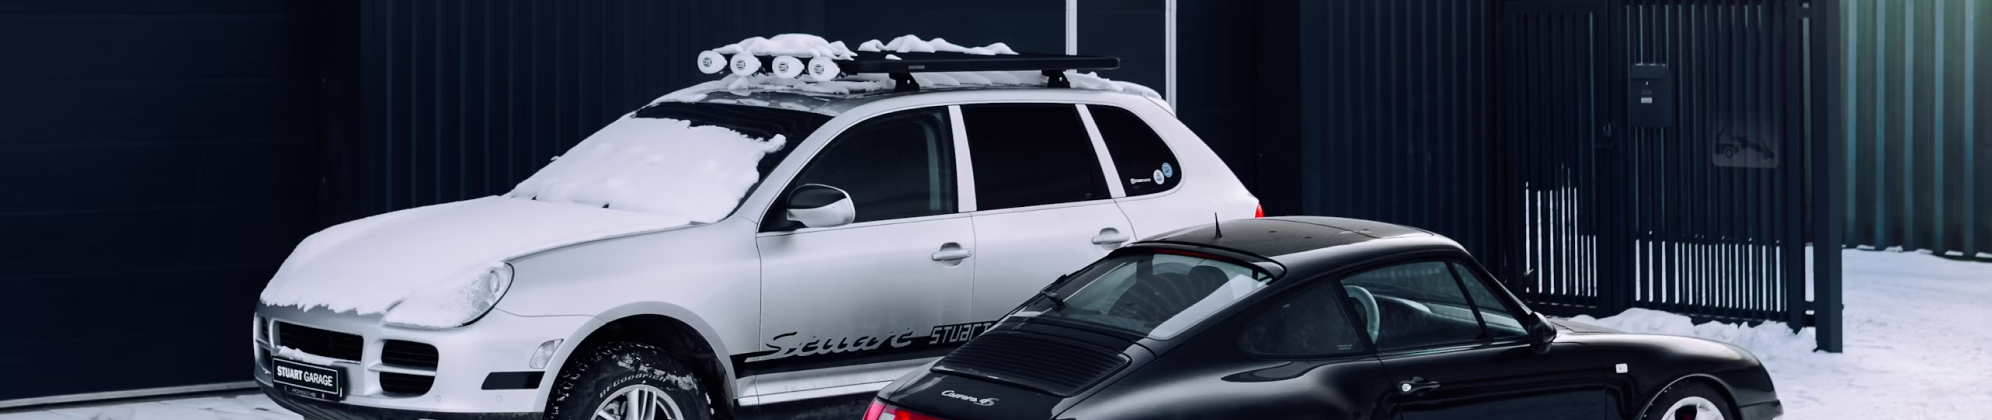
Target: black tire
pixel 593 376
pixel 1665 407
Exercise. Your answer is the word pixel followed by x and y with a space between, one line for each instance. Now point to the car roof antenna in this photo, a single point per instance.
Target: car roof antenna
pixel 1216 228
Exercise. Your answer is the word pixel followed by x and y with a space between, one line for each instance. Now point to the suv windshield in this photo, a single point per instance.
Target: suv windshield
pixel 1156 295
pixel 690 160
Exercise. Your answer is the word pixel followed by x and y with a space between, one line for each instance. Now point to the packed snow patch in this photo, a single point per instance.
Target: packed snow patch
pixel 240 407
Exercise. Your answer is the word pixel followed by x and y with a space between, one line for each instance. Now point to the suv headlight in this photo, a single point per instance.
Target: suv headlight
pixel 451 304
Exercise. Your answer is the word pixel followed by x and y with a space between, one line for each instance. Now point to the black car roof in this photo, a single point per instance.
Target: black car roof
pixel 1274 237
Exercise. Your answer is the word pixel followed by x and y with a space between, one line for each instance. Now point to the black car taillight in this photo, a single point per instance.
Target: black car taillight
pixel 881 411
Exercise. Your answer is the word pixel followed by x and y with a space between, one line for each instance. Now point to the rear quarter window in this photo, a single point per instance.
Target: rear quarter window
pixel 1144 163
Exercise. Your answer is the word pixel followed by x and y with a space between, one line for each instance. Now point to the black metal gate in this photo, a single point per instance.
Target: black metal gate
pixel 1554 124
pixel 1653 153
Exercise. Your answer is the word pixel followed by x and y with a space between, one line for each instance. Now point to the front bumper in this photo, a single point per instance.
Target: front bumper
pixel 321 410
pixel 465 358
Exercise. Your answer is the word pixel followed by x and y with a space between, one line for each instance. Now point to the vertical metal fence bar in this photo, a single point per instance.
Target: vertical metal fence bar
pixel 1826 172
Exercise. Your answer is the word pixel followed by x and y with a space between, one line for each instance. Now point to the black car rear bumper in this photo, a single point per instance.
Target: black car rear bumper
pixel 1767 410
pixel 321 410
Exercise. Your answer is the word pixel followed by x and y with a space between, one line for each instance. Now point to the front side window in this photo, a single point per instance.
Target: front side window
pixel 895 166
pixel 1031 154
pixel 1308 324
pixel 690 160
pixel 1501 320
pixel 1157 295
pixel 1145 164
pixel 1415 305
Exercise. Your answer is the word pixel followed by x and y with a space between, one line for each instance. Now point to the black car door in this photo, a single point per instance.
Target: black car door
pixel 1454 350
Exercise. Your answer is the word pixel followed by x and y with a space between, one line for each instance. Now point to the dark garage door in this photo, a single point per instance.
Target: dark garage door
pixel 157 161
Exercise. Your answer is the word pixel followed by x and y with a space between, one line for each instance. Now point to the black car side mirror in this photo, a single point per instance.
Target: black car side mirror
pixel 818 205
pixel 1541 334
pixel 1524 283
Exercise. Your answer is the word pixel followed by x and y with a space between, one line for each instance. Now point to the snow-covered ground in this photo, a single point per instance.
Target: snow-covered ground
pixel 1918 346
pixel 246 407
pixel 1918 343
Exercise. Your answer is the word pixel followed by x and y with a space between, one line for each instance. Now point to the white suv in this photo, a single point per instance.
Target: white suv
pixel 738 244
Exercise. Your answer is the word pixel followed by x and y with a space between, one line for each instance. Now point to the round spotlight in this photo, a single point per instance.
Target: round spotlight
pixel 746 64
pixel 711 62
pixel 787 67
pixel 822 69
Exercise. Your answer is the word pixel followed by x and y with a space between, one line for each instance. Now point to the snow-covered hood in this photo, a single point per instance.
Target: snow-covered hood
pixel 368 265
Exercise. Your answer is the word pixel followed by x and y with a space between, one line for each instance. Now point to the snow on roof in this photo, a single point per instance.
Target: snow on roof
pixel 794 45
pixel 811 46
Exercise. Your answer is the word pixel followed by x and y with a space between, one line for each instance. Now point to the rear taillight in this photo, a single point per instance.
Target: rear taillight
pixel 1258 211
pixel 881 411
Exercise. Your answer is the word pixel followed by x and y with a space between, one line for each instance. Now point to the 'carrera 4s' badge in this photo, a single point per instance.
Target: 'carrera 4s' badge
pixel 985 402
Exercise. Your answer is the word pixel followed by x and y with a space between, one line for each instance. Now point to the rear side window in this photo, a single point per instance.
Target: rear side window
pixel 1309 324
pixel 1143 160
pixel 1031 154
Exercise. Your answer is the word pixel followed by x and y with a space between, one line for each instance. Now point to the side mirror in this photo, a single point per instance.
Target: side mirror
pixel 1541 334
pixel 1526 282
pixel 818 205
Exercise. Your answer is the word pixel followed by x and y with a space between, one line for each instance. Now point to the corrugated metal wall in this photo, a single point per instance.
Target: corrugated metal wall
pixel 158 167
pixel 458 99
pixel 462 98
pixel 1918 91
pixel 1374 110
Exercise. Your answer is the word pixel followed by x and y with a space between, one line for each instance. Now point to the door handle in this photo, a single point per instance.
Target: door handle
pixel 952 252
pixel 1109 236
pixel 1416 386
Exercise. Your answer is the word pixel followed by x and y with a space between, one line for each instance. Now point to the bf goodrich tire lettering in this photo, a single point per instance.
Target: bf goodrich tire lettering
pixel 610 375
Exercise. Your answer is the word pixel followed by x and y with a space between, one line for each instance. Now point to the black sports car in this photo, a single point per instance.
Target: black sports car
pixel 1313 317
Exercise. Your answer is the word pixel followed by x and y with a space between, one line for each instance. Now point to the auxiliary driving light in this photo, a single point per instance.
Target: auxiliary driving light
pixel 787 67
pixel 711 62
pixel 745 64
pixel 822 69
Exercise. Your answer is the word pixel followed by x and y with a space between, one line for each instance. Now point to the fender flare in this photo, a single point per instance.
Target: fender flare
pixel 1720 386
pixel 675 312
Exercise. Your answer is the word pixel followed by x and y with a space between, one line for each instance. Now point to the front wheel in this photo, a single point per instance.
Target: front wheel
pixel 627 381
pixel 1690 401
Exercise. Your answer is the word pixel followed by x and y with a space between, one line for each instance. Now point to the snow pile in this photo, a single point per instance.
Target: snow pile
pixel 1768 341
pixel 793 45
pixel 772 83
pixel 913 43
pixel 655 165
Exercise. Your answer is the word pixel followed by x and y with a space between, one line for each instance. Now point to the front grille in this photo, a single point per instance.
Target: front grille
pixel 331 344
pixel 408 354
pixel 1016 358
pixel 402 383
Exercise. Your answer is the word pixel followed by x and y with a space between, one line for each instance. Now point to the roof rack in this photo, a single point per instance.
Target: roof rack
pixel 1053 66
pixel 902 65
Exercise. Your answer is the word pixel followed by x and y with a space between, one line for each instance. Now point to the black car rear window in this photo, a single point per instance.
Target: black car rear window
pixel 1152 294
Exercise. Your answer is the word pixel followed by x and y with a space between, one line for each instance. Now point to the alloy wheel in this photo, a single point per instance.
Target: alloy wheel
pixel 638 402
pixel 1694 408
